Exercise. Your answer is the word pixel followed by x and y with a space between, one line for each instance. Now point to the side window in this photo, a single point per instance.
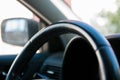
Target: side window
pixel 14 10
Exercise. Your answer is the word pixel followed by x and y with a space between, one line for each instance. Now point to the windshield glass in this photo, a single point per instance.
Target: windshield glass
pixel 101 14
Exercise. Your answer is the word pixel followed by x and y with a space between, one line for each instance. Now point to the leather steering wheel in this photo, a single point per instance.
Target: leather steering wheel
pixel 101 46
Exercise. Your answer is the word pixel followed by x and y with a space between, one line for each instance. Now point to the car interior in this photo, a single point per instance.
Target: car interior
pixel 57 48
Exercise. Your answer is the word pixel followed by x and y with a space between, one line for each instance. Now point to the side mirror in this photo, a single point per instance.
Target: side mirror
pixel 18 31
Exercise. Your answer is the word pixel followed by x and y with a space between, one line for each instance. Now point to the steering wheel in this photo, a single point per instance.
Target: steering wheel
pixel 108 63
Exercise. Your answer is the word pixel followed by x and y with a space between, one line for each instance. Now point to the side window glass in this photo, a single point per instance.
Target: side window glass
pixel 13 10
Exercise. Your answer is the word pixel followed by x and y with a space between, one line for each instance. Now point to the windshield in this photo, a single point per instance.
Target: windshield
pixel 101 14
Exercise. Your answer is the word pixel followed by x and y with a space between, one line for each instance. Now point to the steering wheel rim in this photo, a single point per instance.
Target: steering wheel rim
pixel 97 41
